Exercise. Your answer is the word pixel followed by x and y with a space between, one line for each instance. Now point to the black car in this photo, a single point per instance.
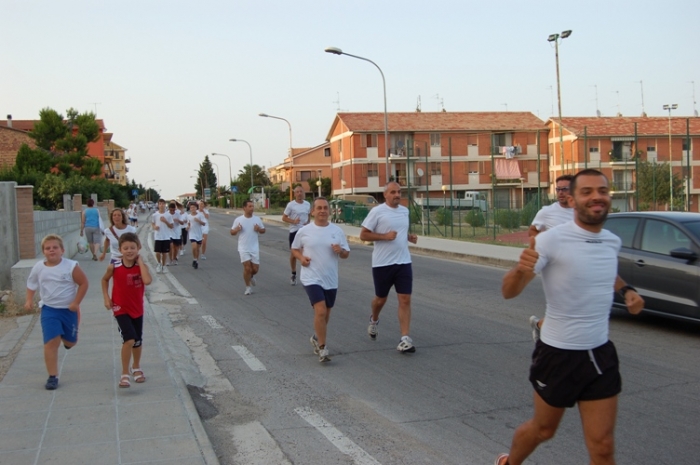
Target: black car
pixel 660 257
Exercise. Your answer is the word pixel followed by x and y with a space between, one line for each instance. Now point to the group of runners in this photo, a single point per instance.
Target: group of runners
pixel 174 226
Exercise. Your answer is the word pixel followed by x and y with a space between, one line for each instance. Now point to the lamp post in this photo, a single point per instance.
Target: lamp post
pixel 230 176
pixel 250 149
pixel 145 186
pixel 337 51
pixel 556 38
pixel 444 207
pixel 201 181
pixel 265 115
pixel 318 184
pixel 670 153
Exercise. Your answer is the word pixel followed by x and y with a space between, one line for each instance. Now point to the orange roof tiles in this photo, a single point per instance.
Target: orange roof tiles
pixel 624 125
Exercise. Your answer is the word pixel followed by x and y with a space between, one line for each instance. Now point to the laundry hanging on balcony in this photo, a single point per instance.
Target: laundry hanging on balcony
pixel 510 151
pixel 507 169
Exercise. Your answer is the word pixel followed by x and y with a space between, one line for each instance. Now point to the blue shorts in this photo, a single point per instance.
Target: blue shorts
pixel 318 294
pixel 197 241
pixel 59 322
pixel 399 276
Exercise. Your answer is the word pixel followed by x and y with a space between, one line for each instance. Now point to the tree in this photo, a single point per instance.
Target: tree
pixel 205 177
pixel 325 186
pixel 653 185
pixel 259 178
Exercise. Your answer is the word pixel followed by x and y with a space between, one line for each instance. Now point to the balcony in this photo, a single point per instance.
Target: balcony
pixel 622 188
pixel 127 160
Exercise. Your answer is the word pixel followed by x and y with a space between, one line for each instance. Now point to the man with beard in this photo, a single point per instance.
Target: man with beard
pixel 574 362
pixel 559 212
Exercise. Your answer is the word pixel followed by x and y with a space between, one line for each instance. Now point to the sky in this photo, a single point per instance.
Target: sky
pixel 174 81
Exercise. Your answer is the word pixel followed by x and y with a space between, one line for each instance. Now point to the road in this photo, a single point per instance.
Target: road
pixel 456 400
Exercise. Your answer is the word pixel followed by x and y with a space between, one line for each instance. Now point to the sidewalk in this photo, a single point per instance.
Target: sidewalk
pixel 88 419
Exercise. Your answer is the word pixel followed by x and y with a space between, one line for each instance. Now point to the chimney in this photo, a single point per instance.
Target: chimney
pixel 9 121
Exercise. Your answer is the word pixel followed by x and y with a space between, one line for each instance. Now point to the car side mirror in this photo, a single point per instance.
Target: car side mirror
pixel 684 253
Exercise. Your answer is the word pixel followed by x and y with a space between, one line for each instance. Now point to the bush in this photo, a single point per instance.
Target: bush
pixel 509 219
pixel 475 218
pixel 415 214
pixel 443 216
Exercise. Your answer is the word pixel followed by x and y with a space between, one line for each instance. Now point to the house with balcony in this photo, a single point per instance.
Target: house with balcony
pixel 501 154
pixel 303 164
pixel 613 145
pixel 115 161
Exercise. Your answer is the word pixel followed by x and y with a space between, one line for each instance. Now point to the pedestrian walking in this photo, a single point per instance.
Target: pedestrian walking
pixel 117 227
pixel 387 225
pixel 62 285
pixel 574 362
pixel 129 276
pixel 248 227
pixel 195 222
pixel 318 246
pixel 296 214
pixel 162 224
pixel 90 227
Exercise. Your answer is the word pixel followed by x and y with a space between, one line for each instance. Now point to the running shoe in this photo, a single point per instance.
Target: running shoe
pixel 314 342
pixel 52 383
pixel 406 345
pixel 293 280
pixel 535 329
pixel 252 281
pixel 195 264
pixel 159 268
pixel 203 257
pixel 182 252
pixel 372 328
pixel 502 459
pixel 248 290
pixel 323 355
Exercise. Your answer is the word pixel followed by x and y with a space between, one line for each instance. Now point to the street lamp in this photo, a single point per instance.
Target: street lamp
pixel 556 38
pixel 145 187
pixel 318 184
pixel 252 183
pixel 230 177
pixel 337 51
pixel 265 115
pixel 670 152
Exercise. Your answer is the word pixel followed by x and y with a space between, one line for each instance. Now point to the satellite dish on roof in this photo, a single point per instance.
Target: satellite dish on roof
pixel 419 171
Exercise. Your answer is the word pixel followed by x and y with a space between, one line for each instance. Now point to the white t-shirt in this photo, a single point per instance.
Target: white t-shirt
pixel 315 242
pixel 578 275
pixel 382 219
pixel 163 231
pixel 296 210
pixel 175 232
pixel 183 218
pixel 551 216
pixel 55 283
pixel 248 237
pixel 195 231
pixel 114 240
pixel 205 214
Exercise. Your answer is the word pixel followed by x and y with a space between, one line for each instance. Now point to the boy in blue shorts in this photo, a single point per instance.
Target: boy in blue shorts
pixel 62 285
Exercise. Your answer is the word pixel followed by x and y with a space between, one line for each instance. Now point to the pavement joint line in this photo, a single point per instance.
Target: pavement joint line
pixel 250 359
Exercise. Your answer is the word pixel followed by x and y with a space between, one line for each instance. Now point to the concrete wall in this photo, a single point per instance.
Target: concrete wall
pixel 65 224
pixel 9 237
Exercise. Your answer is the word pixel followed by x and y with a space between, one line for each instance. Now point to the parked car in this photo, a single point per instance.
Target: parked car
pixel 660 258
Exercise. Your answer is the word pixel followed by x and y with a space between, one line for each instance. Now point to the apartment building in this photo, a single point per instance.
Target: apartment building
pixel 115 164
pixel 303 164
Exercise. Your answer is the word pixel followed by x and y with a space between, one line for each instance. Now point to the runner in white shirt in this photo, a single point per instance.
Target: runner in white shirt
pixel 205 229
pixel 118 227
pixel 387 225
pixel 183 227
pixel 297 215
pixel 317 246
pixel 195 222
pixel 548 217
pixel 574 362
pixel 162 224
pixel 250 227
pixel 175 234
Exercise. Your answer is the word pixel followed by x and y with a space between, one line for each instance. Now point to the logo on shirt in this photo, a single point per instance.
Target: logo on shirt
pixel 594 241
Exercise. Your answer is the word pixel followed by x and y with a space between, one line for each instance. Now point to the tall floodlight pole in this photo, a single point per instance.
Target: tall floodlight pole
pixel 265 115
pixel 250 149
pixel 230 176
pixel 670 153
pixel 337 51
pixel 556 38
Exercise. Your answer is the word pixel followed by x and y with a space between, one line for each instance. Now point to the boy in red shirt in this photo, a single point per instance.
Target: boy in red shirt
pixel 130 275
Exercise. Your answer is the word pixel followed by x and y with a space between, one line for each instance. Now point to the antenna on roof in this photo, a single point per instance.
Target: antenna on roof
pixel 338 103
pixel 597 110
pixel 96 103
pixel 441 103
pixel 505 105
pixel 695 112
pixel 618 102
pixel 418 108
pixel 641 84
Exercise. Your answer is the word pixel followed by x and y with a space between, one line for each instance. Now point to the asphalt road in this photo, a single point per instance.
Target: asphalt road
pixel 456 400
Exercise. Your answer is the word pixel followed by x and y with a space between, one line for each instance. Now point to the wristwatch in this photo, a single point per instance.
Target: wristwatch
pixel 623 290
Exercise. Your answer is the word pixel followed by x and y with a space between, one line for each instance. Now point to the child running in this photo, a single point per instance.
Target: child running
pixel 62 286
pixel 130 275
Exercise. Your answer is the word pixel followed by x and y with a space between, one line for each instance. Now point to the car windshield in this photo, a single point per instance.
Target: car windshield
pixel 694 228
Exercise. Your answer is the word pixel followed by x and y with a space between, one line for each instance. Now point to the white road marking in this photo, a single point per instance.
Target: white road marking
pixel 216 381
pixel 179 288
pixel 344 444
pixel 250 359
pixel 255 446
pixel 211 321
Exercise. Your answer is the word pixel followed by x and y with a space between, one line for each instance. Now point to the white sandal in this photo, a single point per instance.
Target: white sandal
pixel 140 377
pixel 125 381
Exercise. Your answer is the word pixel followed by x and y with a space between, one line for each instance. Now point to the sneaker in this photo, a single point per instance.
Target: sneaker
pixel 314 342
pixel 372 328
pixel 182 252
pixel 52 383
pixel 195 264
pixel 248 290
pixel 203 257
pixel 535 329
pixel 168 264
pixel 293 280
pixel 323 355
pixel 501 459
pixel 406 345
pixel 252 281
pixel 159 268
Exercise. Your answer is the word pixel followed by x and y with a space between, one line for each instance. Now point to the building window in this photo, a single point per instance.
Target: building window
pixel 435 168
pixel 340 145
pixel 303 176
pixel 435 140
pixel 651 148
pixel 327 152
pixel 368 140
pixel 370 170
pixel 593 149
pixel 685 144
